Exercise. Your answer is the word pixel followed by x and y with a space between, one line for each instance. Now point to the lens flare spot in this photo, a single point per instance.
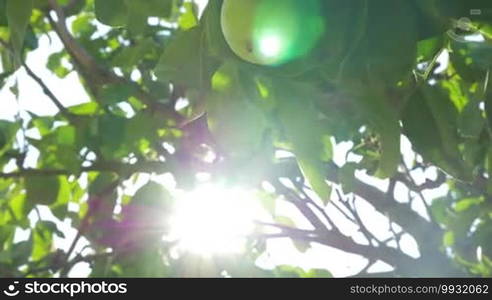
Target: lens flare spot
pixel 271 46
pixel 214 220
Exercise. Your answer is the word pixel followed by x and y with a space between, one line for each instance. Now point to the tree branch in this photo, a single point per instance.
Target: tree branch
pixel 49 93
pixel 400 213
pixel 145 166
pixel 94 73
pixel 70 5
pixel 68 265
pixel 289 231
pixel 85 225
pixel 293 198
pixel 427 185
pixel 81 57
pixel 427 234
pixel 335 239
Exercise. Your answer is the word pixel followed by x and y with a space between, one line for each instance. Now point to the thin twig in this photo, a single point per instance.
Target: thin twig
pixel 396 235
pixel 362 227
pixel 421 195
pixel 286 229
pixel 427 185
pixel 340 198
pixel 293 198
pixel 94 73
pixel 68 265
pixel 85 224
pixel 300 186
pixel 144 166
pixel 46 90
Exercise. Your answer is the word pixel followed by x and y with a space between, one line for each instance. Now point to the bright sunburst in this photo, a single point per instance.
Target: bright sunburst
pixel 271 46
pixel 214 220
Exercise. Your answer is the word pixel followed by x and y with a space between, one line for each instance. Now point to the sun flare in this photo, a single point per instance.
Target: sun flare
pixel 271 46
pixel 214 220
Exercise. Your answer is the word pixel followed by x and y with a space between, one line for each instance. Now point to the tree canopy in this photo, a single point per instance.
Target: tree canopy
pixel 404 86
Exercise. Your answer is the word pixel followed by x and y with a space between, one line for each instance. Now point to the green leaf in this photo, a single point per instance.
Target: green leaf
pixel 129 57
pixel 137 18
pixel 383 119
pixel 111 12
pixel 343 44
pixel 390 149
pixel 188 19
pixel 152 8
pixel 7 233
pixel 42 189
pixel 448 239
pixel 65 135
pixel 429 48
pixel 85 109
pixel 154 195
pixel 301 246
pixel 435 15
pixel 286 271
pixel 233 118
pixel 21 251
pixel 392 49
pixel 103 196
pixel 471 121
pixel 346 176
pixel 488 100
pixel 467 203
pixel 5 257
pixel 440 211
pixel 60 207
pixel 430 122
pixel 20 207
pixel 83 26
pixel 18 14
pixel 3 11
pixel 140 11
pixel 318 273
pixel 102 182
pixel 112 94
pixel 216 43
pixel 111 134
pixel 183 61
pixel 8 130
pixel 55 64
pixel 285 221
pixel 42 239
pixel 147 263
pixel 268 201
pixel 142 129
pixel 467 59
pixel 445 117
pixel 458 91
pixel 314 172
pixel 43 124
pixel 384 52
pixel 481 55
pixel 303 128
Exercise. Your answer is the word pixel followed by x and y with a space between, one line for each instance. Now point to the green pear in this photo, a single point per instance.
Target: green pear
pixel 272 32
